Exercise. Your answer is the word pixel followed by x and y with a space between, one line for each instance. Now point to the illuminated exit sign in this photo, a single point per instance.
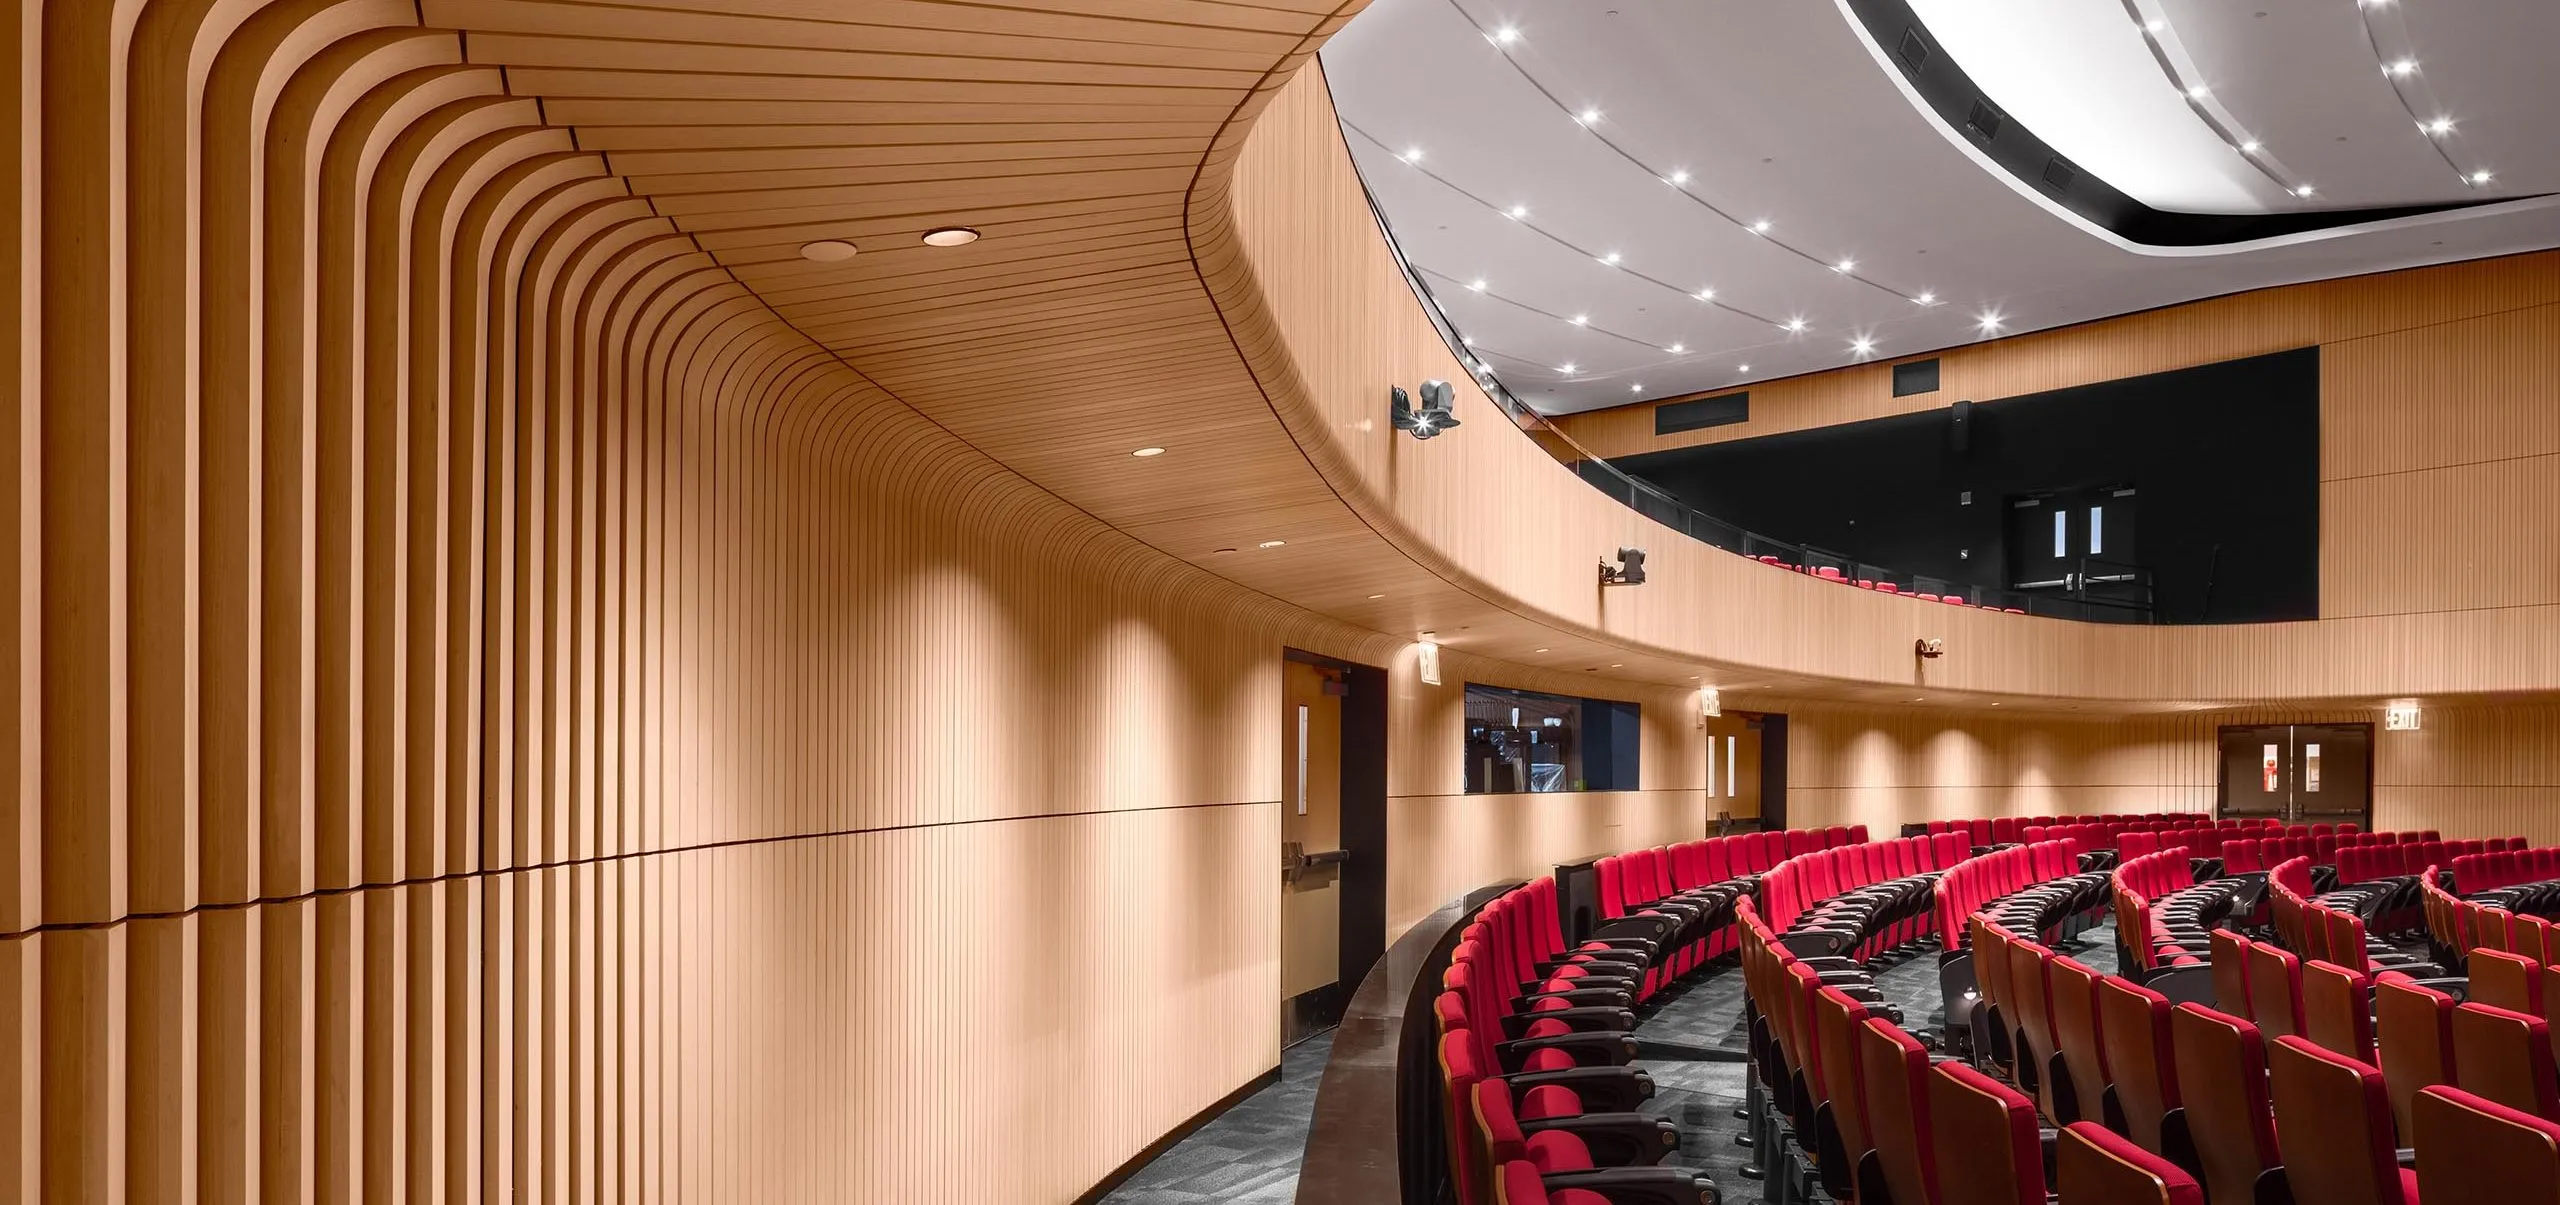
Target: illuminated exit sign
pixel 2398 718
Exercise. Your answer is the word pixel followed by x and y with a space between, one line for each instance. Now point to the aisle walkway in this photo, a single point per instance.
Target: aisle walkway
pixel 1248 1155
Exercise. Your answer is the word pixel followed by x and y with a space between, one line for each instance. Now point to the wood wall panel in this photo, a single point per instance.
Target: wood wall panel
pixel 1445 845
pixel 1328 323
pixel 499 714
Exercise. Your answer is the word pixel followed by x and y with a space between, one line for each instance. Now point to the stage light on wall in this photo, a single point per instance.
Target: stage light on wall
pixel 1435 416
pixel 1928 648
pixel 1426 659
pixel 1629 571
pixel 2401 717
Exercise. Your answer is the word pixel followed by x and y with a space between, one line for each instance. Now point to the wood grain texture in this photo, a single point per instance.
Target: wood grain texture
pixel 1328 323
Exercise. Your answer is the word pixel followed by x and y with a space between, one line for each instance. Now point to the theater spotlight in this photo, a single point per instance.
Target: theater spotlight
pixel 1434 417
pixel 1629 571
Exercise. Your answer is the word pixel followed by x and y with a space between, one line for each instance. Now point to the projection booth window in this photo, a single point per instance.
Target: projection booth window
pixel 1523 740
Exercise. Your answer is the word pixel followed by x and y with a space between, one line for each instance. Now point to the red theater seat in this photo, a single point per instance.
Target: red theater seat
pixel 2093 1166
pixel 2470 1148
pixel 2336 1122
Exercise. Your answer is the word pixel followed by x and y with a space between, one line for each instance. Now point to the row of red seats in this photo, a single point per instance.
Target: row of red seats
pixel 2385 860
pixel 1885 1123
pixel 1802 882
pixel 1970 885
pixel 2143 928
pixel 1533 1036
pixel 1633 883
pixel 2093 832
pixel 2507 865
pixel 1831 574
pixel 2256 1101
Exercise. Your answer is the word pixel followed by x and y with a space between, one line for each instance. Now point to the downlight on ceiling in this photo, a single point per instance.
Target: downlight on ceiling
pixel 827 251
pixel 950 236
pixel 1272 544
pixel 1143 453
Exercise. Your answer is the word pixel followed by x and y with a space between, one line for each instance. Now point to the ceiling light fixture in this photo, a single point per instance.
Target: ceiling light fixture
pixel 1760 227
pixel 1476 285
pixel 1638 387
pixel 2441 125
pixel 1742 368
pixel 1862 345
pixel 1588 116
pixel 1795 326
pixel 1610 259
pixel 1706 294
pixel 1678 348
pixel 1467 340
pixel 1582 320
pixel 1846 266
pixel 2481 177
pixel 827 251
pixel 1271 544
pixel 1566 368
pixel 1376 597
pixel 2303 190
pixel 1990 321
pixel 1505 36
pixel 2198 92
pixel 2249 147
pixel 1925 299
pixel 1412 154
pixel 2155 25
pixel 1143 453
pixel 1680 175
pixel 2401 68
pixel 950 236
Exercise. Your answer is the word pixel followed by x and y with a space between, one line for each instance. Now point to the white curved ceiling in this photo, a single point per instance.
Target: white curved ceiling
pixel 1783 112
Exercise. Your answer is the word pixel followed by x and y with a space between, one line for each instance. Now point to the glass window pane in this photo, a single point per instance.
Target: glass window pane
pixel 1524 740
pixel 2097 530
pixel 2061 533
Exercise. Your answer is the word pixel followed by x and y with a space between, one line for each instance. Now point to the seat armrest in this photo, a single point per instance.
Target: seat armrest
pixel 1601 1089
pixel 1584 997
pixel 1579 1020
pixel 1615 1049
pixel 1621 1139
pixel 1639 1185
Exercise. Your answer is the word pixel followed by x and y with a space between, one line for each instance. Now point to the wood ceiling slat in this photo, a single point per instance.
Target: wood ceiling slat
pixel 894 25
pixel 540 50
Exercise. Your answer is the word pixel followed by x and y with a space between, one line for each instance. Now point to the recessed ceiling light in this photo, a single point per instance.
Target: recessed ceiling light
pixel 2154 25
pixel 1468 340
pixel 1925 298
pixel 1990 320
pixel 1845 266
pixel 950 236
pixel 1587 116
pixel 2401 68
pixel 1638 387
pixel 2441 125
pixel 1146 452
pixel 1539 650
pixel 1610 259
pixel 1680 175
pixel 1862 345
pixel 827 251
pixel 1919 700
pixel 2250 147
pixel 1476 285
pixel 2303 190
pixel 1678 348
pixel 1518 212
pixel 1706 294
pixel 2481 177
pixel 1760 227
pixel 1376 597
pixel 2198 91
pixel 1505 36
pixel 1795 326
pixel 1617 665
pixel 1271 543
pixel 1412 154
pixel 1582 320
pixel 1742 368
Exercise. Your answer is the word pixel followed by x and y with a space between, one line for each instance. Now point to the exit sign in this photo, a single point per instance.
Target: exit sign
pixel 2400 719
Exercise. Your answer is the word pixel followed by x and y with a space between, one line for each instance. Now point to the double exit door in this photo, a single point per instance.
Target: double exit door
pixel 2299 773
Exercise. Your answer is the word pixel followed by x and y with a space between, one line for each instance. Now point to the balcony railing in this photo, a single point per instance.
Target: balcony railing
pixel 2093 591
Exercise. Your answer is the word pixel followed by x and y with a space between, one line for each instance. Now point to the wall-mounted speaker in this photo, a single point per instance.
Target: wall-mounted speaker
pixel 1960 428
